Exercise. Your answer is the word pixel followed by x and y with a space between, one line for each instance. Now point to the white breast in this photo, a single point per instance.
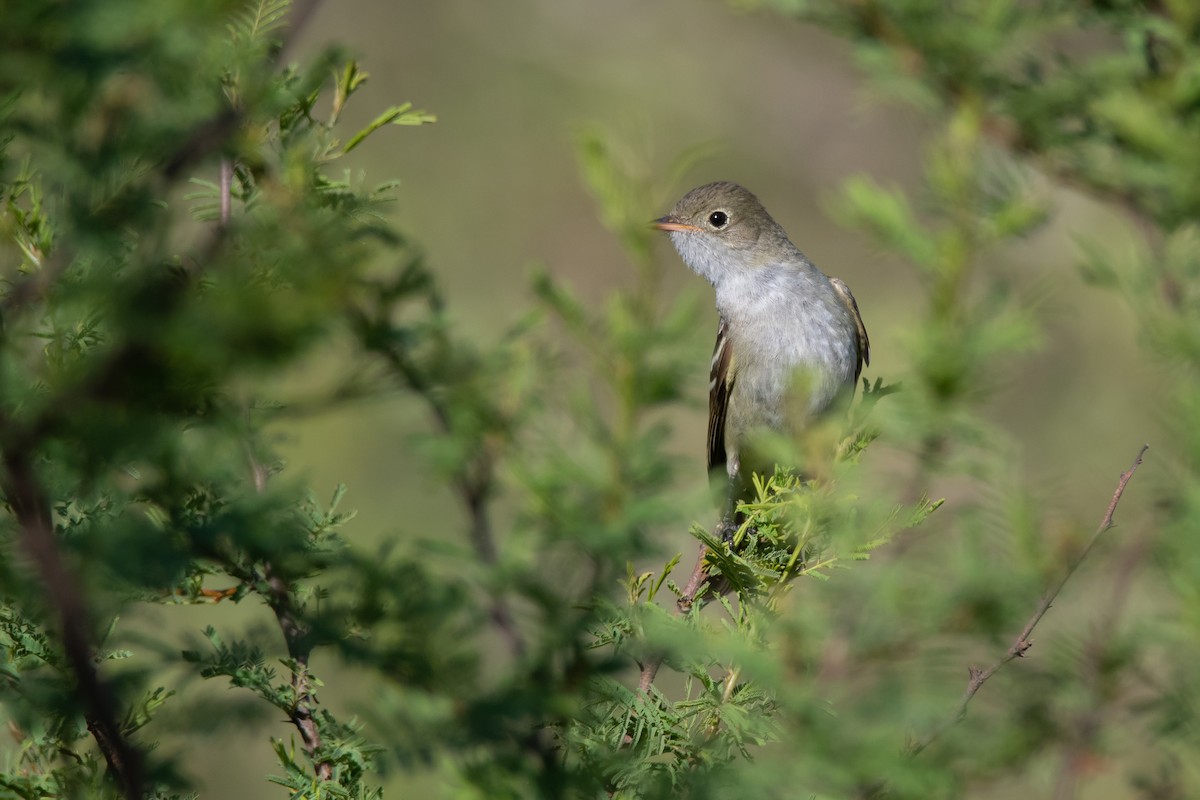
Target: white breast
pixel 787 325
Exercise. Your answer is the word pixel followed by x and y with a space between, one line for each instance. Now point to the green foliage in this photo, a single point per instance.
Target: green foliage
pixel 1091 96
pixel 176 233
pixel 126 339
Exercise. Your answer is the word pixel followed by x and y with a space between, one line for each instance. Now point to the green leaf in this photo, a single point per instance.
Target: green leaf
pixel 396 115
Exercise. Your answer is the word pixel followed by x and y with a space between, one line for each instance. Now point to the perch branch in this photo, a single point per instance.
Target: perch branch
pixel 683 604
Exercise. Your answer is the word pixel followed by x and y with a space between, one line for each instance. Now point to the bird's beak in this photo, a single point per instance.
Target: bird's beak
pixel 670 223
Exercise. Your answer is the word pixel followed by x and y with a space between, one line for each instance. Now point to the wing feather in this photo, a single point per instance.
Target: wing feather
pixel 864 343
pixel 720 382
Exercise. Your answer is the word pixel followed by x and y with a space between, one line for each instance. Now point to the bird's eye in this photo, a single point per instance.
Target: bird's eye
pixel 718 219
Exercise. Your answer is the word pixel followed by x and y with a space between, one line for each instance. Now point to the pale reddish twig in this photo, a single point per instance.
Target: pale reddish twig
pixel 683 604
pixel 1021 645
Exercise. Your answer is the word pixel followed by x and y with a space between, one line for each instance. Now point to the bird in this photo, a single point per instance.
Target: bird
pixel 790 342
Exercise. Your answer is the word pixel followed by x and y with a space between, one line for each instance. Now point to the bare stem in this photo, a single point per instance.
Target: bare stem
pixel 1086 723
pixel 977 676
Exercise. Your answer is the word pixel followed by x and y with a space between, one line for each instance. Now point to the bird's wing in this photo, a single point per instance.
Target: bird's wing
pixel 720 382
pixel 864 343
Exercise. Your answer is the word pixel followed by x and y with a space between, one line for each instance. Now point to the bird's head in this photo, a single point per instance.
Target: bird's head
pixel 722 227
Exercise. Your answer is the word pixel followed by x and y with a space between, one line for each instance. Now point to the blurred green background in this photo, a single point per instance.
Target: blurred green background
pixel 493 189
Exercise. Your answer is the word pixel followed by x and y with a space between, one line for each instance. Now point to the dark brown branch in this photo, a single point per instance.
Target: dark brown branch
pixel 1020 646
pixel 296 635
pixel 297 638
pixel 475 497
pixel 31 507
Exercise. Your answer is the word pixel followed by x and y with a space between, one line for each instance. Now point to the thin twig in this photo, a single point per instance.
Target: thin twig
pixel 473 484
pixel 296 634
pixel 298 17
pixel 1086 723
pixel 226 192
pixel 683 605
pixel 475 497
pixel 1020 646
pixel 31 506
